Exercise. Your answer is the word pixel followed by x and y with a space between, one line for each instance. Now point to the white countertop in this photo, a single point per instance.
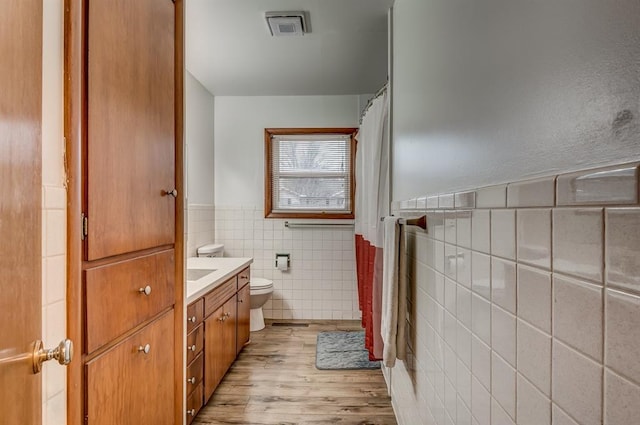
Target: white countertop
pixel 225 267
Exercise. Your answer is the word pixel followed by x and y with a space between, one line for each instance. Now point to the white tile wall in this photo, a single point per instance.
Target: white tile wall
pixel 321 283
pixel 54 376
pixel 200 227
pixel 551 322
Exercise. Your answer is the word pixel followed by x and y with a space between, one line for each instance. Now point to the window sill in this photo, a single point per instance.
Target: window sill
pixel 313 216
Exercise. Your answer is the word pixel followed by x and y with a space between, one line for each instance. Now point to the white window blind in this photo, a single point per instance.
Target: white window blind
pixel 311 173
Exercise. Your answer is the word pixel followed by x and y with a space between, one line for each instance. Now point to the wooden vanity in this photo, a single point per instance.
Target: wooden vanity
pixel 217 329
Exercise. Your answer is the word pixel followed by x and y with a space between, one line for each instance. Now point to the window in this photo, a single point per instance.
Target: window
pixel 309 172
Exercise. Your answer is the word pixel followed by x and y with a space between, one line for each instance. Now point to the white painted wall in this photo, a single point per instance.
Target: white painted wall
pixel 499 90
pixel 199 104
pixel 239 135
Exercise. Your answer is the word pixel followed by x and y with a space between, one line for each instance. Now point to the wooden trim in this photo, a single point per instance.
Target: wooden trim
pixel 268 171
pixel 335 130
pixel 312 215
pixel 74 128
pixel 180 308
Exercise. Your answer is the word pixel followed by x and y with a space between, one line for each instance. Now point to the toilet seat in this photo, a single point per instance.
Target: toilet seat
pixel 259 283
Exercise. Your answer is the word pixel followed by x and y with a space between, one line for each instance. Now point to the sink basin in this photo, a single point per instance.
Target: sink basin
pixel 195 274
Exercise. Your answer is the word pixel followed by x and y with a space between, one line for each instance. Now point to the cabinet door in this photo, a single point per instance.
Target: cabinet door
pixel 230 332
pixel 131 385
pixel 244 314
pixel 213 351
pixel 131 126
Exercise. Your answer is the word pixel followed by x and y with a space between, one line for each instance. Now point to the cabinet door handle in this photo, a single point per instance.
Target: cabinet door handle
pixel 170 192
pixel 144 349
pixel 145 291
pixel 240 300
pixel 191 412
pixel 192 319
pixel 193 348
pixel 222 319
pixel 227 314
pixel 192 380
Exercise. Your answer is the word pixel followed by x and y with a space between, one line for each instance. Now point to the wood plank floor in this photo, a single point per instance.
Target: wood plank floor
pixel 275 381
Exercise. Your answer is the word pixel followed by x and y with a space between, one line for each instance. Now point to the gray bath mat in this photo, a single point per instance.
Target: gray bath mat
pixel 343 350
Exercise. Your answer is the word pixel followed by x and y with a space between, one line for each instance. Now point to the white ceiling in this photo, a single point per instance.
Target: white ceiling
pixel 230 50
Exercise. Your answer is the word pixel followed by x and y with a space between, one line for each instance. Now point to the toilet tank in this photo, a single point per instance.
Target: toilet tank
pixel 211 250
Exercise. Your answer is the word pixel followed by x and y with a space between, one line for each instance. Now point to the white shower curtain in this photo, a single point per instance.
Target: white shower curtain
pixel 372 203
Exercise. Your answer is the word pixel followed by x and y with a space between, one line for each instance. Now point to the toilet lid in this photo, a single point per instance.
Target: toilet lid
pixel 259 283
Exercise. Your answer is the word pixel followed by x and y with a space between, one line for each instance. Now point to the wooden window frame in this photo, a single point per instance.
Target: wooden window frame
pixel 268 172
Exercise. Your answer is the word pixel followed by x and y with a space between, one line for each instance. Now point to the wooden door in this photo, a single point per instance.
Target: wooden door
pixel 141 364
pixel 20 208
pixel 244 317
pixel 131 126
pixel 213 351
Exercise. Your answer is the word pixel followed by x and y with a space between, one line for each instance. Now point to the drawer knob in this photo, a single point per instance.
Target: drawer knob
pixel 192 319
pixel 227 314
pixel 145 291
pixel 191 412
pixel 191 380
pixel 222 319
pixel 144 349
pixel 240 300
pixel 193 348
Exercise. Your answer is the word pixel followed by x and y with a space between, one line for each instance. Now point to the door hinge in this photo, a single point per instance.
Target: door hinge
pixel 85 226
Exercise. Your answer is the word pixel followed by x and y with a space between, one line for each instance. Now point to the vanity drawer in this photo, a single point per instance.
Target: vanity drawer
pixel 194 373
pixel 134 373
pixel 137 289
pixel 244 277
pixel 214 299
pixel 195 342
pixel 195 313
pixel 194 403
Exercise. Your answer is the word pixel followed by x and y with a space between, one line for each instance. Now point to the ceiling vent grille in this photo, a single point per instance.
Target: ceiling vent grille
pixel 285 24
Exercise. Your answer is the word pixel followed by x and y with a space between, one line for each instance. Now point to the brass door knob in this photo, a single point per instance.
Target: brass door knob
pixel 171 192
pixel 192 319
pixel 144 349
pixel 191 412
pixel 63 353
pixel 192 380
pixel 193 348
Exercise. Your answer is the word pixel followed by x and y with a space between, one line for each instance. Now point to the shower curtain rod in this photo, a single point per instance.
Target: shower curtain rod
pixel 375 96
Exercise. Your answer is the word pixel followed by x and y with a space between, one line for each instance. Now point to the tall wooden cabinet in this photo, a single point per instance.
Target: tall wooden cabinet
pixel 131 318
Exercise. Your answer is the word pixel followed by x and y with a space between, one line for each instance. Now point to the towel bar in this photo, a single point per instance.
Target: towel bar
pixel 421 222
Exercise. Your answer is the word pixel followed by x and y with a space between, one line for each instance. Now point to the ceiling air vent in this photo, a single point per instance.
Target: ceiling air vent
pixel 286 23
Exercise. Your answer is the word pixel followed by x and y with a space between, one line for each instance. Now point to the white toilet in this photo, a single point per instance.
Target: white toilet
pixel 260 289
pixel 211 250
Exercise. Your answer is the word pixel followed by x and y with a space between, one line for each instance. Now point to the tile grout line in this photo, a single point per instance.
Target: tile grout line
pixel 604 313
